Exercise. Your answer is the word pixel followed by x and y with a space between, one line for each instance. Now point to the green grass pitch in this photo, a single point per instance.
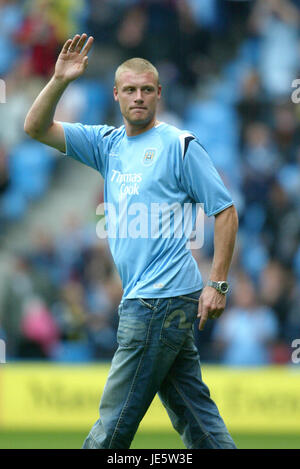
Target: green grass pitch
pixel 143 440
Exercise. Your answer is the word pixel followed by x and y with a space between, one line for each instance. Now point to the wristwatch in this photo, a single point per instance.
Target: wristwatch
pixel 221 287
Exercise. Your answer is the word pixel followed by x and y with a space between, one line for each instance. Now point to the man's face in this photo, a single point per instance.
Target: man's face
pixel 138 95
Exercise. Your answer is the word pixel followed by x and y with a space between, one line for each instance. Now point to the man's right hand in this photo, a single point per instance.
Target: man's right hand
pixel 71 64
pixel 73 59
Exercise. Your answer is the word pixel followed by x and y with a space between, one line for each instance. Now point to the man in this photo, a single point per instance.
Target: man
pixel 147 163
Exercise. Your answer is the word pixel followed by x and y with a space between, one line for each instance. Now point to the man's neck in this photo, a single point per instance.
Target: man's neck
pixel 134 130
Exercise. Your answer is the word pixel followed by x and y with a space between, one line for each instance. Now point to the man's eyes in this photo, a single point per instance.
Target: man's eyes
pixel 147 90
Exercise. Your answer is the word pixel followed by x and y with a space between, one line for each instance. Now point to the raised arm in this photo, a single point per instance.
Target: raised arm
pixel 211 302
pixel 71 64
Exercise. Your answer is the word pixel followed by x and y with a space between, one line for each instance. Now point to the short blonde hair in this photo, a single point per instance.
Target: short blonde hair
pixel 137 65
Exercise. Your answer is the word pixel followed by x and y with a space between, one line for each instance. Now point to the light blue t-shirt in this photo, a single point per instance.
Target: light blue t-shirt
pixel 152 183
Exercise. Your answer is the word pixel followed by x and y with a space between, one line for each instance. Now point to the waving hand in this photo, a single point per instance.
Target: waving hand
pixel 73 59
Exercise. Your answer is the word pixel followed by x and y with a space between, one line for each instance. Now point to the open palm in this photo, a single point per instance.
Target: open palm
pixel 73 59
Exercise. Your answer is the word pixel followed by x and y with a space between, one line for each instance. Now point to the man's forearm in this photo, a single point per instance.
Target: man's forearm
pixel 40 116
pixel 226 226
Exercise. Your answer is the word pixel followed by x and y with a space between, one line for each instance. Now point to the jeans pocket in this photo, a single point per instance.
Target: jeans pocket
pixel 177 323
pixel 131 332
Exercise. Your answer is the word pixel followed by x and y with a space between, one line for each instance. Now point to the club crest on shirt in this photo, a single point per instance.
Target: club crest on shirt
pixel 149 156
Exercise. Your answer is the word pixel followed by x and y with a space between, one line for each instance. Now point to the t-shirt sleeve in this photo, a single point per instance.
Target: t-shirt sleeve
pixel 87 144
pixel 201 181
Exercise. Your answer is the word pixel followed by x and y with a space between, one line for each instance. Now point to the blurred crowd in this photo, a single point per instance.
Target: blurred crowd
pixel 227 70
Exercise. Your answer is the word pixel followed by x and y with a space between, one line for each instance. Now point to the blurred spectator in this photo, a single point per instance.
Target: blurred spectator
pixel 244 333
pixel 11 16
pixel 39 330
pixel 276 22
pixel 66 16
pixel 261 161
pixel 101 325
pixel 289 179
pixel 252 103
pixel 69 312
pixel 19 93
pixel 285 129
pixel 282 224
pixel 68 247
pixel 103 18
pixel 43 257
pixel 277 290
pixel 131 33
pixel 21 285
pixel 37 35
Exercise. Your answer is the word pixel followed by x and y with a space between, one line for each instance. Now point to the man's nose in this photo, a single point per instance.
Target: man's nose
pixel 139 97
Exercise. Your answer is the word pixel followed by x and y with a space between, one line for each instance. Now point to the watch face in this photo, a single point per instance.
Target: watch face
pixel 224 287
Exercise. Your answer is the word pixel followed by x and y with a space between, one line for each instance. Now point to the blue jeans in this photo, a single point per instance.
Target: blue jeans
pixel 156 354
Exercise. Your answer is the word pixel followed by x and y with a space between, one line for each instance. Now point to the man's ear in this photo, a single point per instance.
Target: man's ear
pixel 116 97
pixel 159 92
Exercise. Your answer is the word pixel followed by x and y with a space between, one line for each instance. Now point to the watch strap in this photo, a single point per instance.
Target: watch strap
pixel 217 285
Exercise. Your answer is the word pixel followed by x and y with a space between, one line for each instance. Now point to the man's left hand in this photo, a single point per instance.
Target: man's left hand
pixel 211 305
